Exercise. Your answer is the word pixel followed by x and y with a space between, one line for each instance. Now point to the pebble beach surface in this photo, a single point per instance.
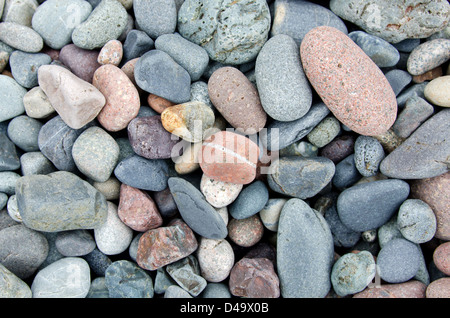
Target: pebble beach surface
pixel 224 149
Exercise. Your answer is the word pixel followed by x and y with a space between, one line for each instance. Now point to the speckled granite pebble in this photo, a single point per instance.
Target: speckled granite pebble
pixel 218 193
pixel 245 232
pixel 215 259
pixel 21 37
pixel 428 55
pixel 324 132
pixel 441 258
pixel 368 154
pixel 439 288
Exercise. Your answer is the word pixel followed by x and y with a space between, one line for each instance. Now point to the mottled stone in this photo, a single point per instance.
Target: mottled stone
pixel 324 132
pixel 124 279
pixel 83 63
pixel 436 91
pixel 175 291
pixel 111 53
pixel 12 286
pixel 24 67
pixel 245 232
pixel 428 55
pixel 410 289
pixel 155 17
pixel 21 37
pixel 215 258
pixel 186 272
pixel 109 188
pixel 270 214
pixel 441 258
pixel 9 159
pixel 218 193
pixel 136 44
pixel 439 288
pixel 416 221
pixel 98 262
pixel 368 155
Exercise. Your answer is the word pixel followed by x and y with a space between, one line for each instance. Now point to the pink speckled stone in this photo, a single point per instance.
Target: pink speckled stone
pixel 348 81
pixel 409 289
pixel 122 97
pixel 111 53
pixel 441 258
pixel 440 288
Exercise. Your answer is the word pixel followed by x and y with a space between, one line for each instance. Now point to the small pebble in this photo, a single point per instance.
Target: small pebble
pixel 136 44
pixel 12 286
pixel 416 111
pixel 342 235
pixel 186 272
pixel 246 232
pixel 124 279
pixel 155 17
pixel 8 181
pixel 75 243
pixel 436 91
pixel 346 173
pixel 11 98
pixel 111 53
pixel 21 37
pixel 218 193
pixel 36 104
pixel 109 188
pixel 441 258
pixel 428 55
pixel 398 79
pixel 270 214
pixel 98 262
pixel 215 258
pixel 416 221
pixel 250 201
pixel 9 158
pixel 24 67
pixel 368 155
pixel 324 132
pixel 83 63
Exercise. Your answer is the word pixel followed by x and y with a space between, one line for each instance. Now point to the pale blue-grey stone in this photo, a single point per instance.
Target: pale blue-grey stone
pixel 416 221
pixel 163 281
pixel 12 286
pixel 11 98
pixel 346 173
pixel 186 272
pixel 8 180
pixel 3 200
pixel 368 155
pixel 24 67
pixel 398 79
pixel 21 37
pixel 125 279
pixel 9 159
pixel 381 52
pixel 250 200
pixel 155 17
pixel 98 288
pixel 35 163
pixel 24 132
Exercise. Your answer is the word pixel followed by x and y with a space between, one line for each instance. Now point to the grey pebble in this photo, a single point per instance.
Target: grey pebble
pixel 346 173
pixel 3 200
pixel 175 291
pixel 155 17
pixel 416 111
pixel 368 155
pixel 199 92
pixel 428 56
pixel 11 98
pixel 125 279
pixel 24 132
pixel 21 37
pixel 163 281
pixel 398 79
pixel 9 159
pixel 186 272
pixel 12 286
pixel 75 242
pixel 98 262
pixel 250 200
pixel 324 132
pixel 98 288
pixel 24 67
pixel 8 180
pixel 35 163
pixel 388 232
pixel 415 90
pixel 136 44
pixel 407 45
pixel 416 221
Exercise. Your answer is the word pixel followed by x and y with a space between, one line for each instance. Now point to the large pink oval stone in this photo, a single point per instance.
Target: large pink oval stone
pixel 348 81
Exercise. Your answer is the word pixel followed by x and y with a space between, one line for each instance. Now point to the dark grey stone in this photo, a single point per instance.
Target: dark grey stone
pixel 9 159
pixel 342 235
pixel 125 279
pixel 136 44
pixel 250 200
pixel 346 173
pixel 98 262
pixel 75 243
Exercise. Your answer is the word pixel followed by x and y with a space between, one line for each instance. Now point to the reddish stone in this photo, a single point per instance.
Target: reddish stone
pixel 439 288
pixel 246 232
pixel 165 245
pixel 111 53
pixel 128 69
pixel 229 157
pixel 428 76
pixel 138 210
pixel 158 104
pixel 410 289
pixel 441 258
pixel 83 63
pixel 254 278
pixel 348 81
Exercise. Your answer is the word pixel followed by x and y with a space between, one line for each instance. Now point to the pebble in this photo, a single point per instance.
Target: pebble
pixel 75 243
pixel 59 201
pixel 157 73
pixel 106 22
pixel 11 97
pixel 270 214
pixel 219 193
pixel 245 232
pixel 98 288
pixel 416 221
pixel 130 170
pixel 95 154
pixel 428 56
pixel 228 31
pixel 352 272
pixel 341 59
pixel 342 235
pixel 158 104
pixel 300 177
pixel 428 76
pixel 237 100
pixel 12 208
pixel 23 260
pixel 368 155
pixel 295 19
pixel 66 278
pixel 371 213
pixel 155 17
pixel 138 210
pixel 398 79
pixel 55 20
pixel 380 51
pixel 111 53
pixel 216 290
pixel 124 279
pixel 283 88
pixel 175 291
pixel 163 281
pixel 423 154
pixel 21 37
pixel 12 286
pixel 321 135
pixel 122 105
pixel 83 63
pixel 409 289
pixel 192 57
pixel 24 131
pixel 346 173
pixel 35 163
pixel 109 188
pixel 8 180
pixel 36 104
pixel 438 288
pixel 136 44
pixel 165 203
pixel 75 100
pixel 3 200
pixel 436 91
pixel 24 67
pixel 304 251
pixel 415 90
pixel 186 272
pixel 250 200
pixel 215 259
pixel 254 278
pixel 441 258
pixel 9 158
pixel 165 245
pixel 398 261
pixel 97 261
pixel 416 111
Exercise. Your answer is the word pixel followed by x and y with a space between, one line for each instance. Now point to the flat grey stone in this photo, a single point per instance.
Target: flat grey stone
pixel 380 51
pixel 24 67
pixel 186 272
pixel 136 44
pixel 9 159
pixel 75 242
pixel 24 132
pixel 155 17
pixel 11 98
pixel 250 200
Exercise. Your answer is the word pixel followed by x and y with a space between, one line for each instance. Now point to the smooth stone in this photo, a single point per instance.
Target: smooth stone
pixel 3 200
pixel 215 259
pixel 428 56
pixel 149 139
pixel 366 105
pixel 398 79
pixel 175 291
pixel 300 177
pixel 192 57
pixel 423 154
pixel 250 200
pixel 163 281
pixel 21 37
pixel 75 100
pixel 381 200
pixel 416 221
pixel 245 232
pixel 398 261
pixel 386 19
pixel 186 272
pixel 36 104
pixel 436 91
pixel 342 235
pixel 298 18
pixel 216 290
pixel 138 210
pixel 23 260
pixel 11 97
pixel 113 236
pixel 98 262
pixel 198 214
pixel 352 272
pixel 304 252
pixel 158 104
pixel 111 53
pixel 109 188
pixel 122 105
pixel 125 279
pixel 98 288
pixel 199 92
pixel 165 245
pixel 106 22
pixel 75 243
pixel 8 181
pixel 157 73
pixel 231 32
pixel 407 45
pixel 368 155
pixel 219 193
pixel 283 88
pixel 35 163
pixel 136 44
pixel 416 111
pixel 242 108
pixel 9 158
pixel 69 277
pixel 19 11
pixel 12 286
pixel 270 214
pixel 12 208
pixel 301 148
pixel 438 288
pixel 55 20
pixel 409 290
pixel 321 135
pixel 441 259
pixel 142 173
pixel 165 203
pixel 59 201
pixel 380 51
pixel 388 231
pixel 280 134
pixel 346 173
pixel 155 17
pixel 23 131
pixel 83 63
pixel 24 67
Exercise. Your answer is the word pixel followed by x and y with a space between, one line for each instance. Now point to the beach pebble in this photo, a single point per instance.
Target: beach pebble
pixel 111 53
pixel 95 154
pixel 229 32
pixel 270 214
pixel 324 132
pixel 250 200
pixel 416 221
pixel 136 44
pixel 98 288
pixel 24 131
pixel 12 286
pixel 8 180
pixel 109 188
pixel 75 242
pixel 441 258
pixel 36 104
pixel 124 279
pixel 11 97
pixel 9 158
pixel 342 235
pixel 158 104
pixel 416 111
pixel 398 79
pixel 21 37
pixel 346 63
pixel 346 173
pixel 428 76
pixel 368 155
pixel 24 67
pixel 186 272
pixel 35 163
pixel 439 288
pixel 409 289
pixel 19 11
pixel 381 52
pixel 155 17
pixel 283 88
pixel 98 262
pixel 52 203
pixel 215 258
pixel 83 63
pixel 216 290
pixel 398 261
pixel 428 56
pixel 219 193
pixel 436 91
pixel 164 245
pixel 69 277
pixel 165 203
pixel 254 278
pixel 245 232
pixel 175 291
pixel 138 210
